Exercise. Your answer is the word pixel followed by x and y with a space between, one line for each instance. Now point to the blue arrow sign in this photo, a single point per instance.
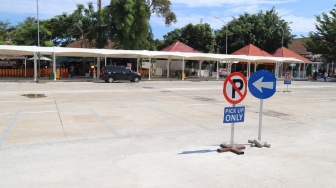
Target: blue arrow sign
pixel 262 84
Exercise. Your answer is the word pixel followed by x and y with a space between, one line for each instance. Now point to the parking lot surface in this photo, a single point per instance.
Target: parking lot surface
pixel 163 134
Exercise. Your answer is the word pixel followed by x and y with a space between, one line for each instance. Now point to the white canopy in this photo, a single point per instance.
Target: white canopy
pixel 136 54
pixel 91 52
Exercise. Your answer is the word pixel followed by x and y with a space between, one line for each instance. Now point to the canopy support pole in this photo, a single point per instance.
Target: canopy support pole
pixel 168 67
pixel 35 68
pixel 183 69
pixel 150 70
pixel 25 67
pixel 138 62
pixel 98 67
pixel 200 68
pixel 54 63
pixel 248 74
pixel 217 71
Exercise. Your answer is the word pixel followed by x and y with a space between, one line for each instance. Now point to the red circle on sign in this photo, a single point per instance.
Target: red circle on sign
pixel 229 94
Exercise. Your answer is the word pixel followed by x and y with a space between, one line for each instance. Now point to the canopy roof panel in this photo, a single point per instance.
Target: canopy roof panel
pixel 87 52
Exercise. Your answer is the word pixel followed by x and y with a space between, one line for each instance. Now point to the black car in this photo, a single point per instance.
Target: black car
pixel 112 73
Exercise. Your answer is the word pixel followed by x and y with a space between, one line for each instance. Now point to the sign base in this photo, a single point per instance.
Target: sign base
pixel 258 143
pixel 234 149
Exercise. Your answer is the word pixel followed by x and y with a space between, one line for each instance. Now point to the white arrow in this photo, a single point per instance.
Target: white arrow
pixel 260 84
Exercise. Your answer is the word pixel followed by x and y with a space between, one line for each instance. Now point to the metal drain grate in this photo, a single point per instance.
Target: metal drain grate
pixel 32 95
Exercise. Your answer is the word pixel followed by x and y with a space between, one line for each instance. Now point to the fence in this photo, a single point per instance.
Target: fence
pixel 29 72
pixel 144 72
pixel 44 72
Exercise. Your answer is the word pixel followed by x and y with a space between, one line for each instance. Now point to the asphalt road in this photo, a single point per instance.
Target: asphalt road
pixel 163 134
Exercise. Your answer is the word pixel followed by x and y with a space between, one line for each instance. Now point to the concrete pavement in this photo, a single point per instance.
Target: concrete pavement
pixel 162 134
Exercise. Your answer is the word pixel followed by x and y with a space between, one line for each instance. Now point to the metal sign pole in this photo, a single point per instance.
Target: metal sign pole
pixel 260 118
pixel 232 131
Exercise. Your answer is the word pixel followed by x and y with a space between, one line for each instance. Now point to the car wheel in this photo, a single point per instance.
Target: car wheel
pixel 110 80
pixel 136 79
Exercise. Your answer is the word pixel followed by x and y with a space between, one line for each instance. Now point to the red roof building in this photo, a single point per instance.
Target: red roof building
pixel 284 52
pixel 179 47
pixel 297 47
pixel 251 50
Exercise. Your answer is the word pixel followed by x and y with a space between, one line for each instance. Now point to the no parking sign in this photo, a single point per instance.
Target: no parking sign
pixel 235 88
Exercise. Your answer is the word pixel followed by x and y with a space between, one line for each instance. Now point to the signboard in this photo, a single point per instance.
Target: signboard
pixel 235 88
pixel 287 78
pixel 146 64
pixel 287 82
pixel 7 63
pixel 234 114
pixel 262 84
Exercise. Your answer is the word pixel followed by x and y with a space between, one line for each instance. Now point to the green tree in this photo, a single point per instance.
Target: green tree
pixel 61 30
pixel 5 32
pixel 162 8
pixel 83 21
pixel 28 33
pixel 130 23
pixel 102 29
pixel 323 40
pixel 199 37
pixel 264 30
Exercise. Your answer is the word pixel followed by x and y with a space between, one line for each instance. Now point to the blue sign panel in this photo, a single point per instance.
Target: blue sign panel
pixel 287 82
pixel 234 114
pixel 262 84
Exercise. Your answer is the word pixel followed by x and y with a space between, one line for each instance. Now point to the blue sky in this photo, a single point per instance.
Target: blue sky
pixel 300 13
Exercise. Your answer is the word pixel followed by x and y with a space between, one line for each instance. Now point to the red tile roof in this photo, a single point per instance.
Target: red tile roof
pixel 179 47
pixel 252 51
pixel 297 46
pixel 284 52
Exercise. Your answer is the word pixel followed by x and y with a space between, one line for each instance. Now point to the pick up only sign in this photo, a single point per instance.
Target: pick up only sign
pixel 234 114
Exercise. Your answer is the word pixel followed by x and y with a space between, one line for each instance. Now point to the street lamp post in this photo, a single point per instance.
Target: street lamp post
pixel 226 39
pixel 38 24
pixel 282 38
pixel 225 32
pixel 38 42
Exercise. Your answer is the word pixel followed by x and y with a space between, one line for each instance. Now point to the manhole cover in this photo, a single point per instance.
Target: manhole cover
pixel 32 95
pixel 165 91
pixel 148 87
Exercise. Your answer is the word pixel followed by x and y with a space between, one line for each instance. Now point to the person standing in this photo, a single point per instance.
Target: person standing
pixel 72 71
pixel 325 76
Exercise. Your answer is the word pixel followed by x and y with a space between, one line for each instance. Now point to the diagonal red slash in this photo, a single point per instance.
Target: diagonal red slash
pixel 236 88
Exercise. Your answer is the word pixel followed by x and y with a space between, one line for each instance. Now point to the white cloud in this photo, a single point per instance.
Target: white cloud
pixel 300 25
pixel 216 3
pixel 47 8
pixel 251 9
